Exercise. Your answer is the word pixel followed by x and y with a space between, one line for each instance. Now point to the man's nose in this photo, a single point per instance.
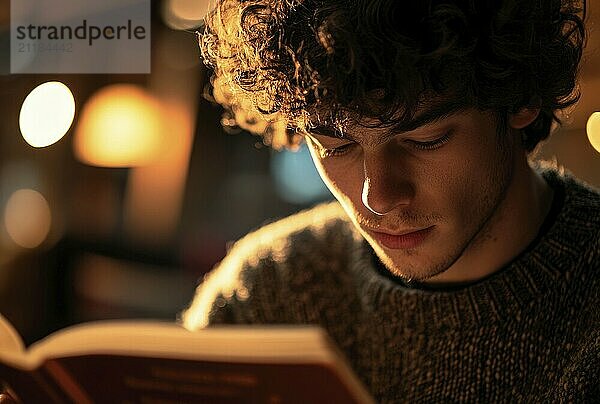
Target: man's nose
pixel 387 183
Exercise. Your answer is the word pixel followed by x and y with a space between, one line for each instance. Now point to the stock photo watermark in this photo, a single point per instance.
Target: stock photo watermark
pixel 80 36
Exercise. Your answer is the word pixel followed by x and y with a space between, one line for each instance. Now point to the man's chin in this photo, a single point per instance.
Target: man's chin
pixel 415 264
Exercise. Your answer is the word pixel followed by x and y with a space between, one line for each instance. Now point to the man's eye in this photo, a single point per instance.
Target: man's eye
pixel 432 144
pixel 336 151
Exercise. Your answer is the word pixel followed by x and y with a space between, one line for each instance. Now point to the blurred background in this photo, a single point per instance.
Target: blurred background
pixel 120 207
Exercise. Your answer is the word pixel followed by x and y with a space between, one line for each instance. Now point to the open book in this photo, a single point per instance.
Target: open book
pixel 153 362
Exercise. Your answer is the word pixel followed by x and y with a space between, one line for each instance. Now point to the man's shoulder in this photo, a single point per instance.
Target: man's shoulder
pixel 576 190
pixel 322 223
pixel 580 213
pixel 273 264
pixel 580 231
pixel 306 235
pixel 573 242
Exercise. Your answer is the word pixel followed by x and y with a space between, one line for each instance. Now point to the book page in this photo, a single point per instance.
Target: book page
pixel 10 340
pixel 142 338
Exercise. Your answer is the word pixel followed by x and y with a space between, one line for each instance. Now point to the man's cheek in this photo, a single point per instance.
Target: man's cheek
pixel 460 199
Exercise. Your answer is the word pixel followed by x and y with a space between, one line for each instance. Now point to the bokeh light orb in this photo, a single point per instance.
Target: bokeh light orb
pixel 593 130
pixel 121 125
pixel 27 218
pixel 184 14
pixel 296 177
pixel 47 114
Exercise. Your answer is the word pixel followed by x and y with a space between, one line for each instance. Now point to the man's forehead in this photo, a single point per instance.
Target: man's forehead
pixel 426 114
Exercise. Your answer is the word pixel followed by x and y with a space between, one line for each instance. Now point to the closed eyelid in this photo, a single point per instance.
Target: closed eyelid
pixel 429 135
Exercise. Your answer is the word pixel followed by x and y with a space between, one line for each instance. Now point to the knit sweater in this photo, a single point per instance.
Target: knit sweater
pixel 528 333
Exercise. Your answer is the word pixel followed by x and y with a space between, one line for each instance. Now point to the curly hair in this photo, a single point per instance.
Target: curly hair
pixel 282 66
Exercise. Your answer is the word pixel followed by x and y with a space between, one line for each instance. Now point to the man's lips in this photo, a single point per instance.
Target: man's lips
pixel 402 240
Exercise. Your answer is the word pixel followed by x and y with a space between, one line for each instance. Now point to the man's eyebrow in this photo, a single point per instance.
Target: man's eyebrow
pixel 432 114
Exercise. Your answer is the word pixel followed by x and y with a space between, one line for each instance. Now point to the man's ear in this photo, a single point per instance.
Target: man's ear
pixel 523 117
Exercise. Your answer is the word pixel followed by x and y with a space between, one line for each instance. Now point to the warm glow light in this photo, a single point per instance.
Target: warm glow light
pixel 27 218
pixel 154 196
pixel 47 114
pixel 155 192
pixel 185 14
pixel 120 126
pixel 593 130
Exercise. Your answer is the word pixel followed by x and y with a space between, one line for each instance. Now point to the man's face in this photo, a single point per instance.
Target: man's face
pixel 423 197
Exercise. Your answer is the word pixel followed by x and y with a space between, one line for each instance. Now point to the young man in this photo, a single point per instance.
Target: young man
pixel 450 269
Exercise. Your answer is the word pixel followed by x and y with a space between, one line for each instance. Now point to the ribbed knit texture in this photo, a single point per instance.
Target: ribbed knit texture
pixel 529 333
